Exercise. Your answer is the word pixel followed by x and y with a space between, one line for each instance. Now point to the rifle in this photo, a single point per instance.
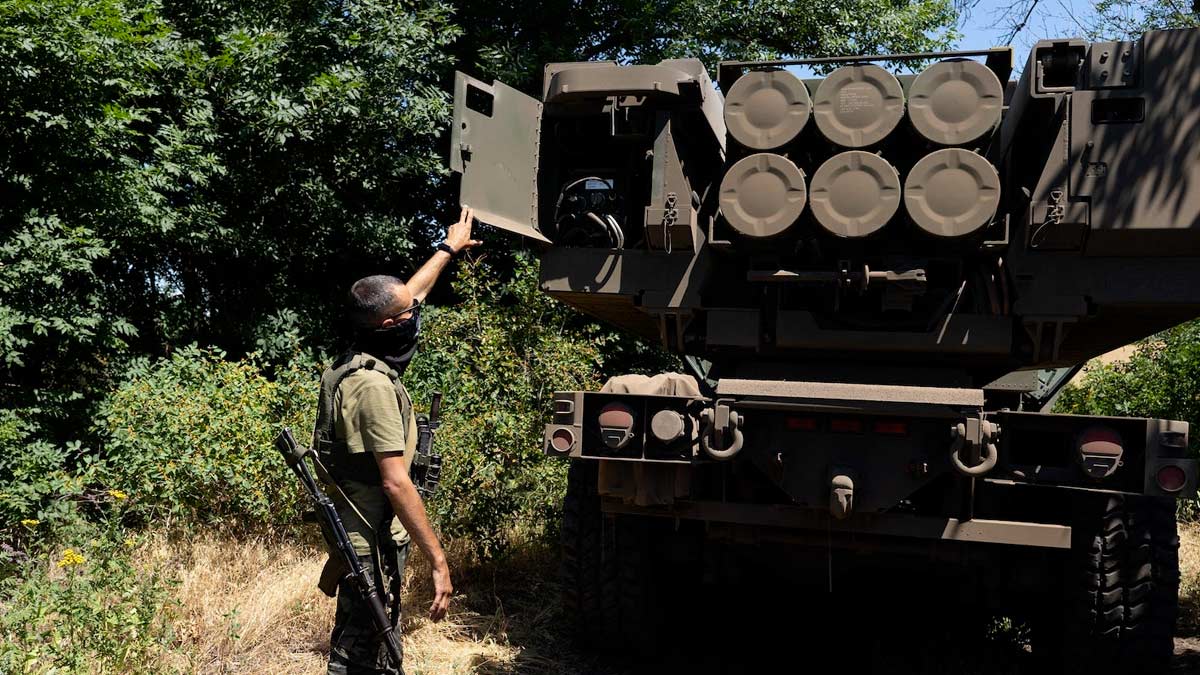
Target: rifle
pixel 426 468
pixel 327 514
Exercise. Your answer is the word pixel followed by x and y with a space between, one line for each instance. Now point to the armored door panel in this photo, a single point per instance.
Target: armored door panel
pixel 494 145
pixel 1136 151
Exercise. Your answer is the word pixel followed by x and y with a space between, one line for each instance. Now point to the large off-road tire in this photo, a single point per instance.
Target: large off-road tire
pixel 632 583
pixel 608 569
pixel 1120 591
pixel 581 573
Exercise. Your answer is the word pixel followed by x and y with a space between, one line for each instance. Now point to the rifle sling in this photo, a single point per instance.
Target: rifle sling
pixel 326 478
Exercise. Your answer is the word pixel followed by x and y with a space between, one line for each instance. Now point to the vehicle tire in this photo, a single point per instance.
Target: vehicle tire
pixel 1120 591
pixel 581 572
pixel 630 603
pixel 1152 593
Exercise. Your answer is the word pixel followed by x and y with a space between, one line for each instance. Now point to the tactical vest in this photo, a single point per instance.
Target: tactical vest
pixel 333 451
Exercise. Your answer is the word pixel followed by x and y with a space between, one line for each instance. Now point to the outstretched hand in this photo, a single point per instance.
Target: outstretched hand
pixel 458 235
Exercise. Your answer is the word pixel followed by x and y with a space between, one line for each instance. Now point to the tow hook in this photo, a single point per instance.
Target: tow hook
pixel 721 423
pixel 974 441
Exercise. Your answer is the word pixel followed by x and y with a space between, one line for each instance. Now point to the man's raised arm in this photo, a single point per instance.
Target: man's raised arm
pixel 458 238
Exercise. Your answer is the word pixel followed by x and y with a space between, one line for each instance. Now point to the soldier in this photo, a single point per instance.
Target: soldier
pixel 366 434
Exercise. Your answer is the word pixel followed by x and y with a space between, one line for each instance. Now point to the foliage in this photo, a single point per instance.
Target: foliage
pixel 190 438
pixel 1160 379
pixel 175 171
pixel 188 172
pixel 85 607
pixel 1128 19
pixel 510 40
pixel 44 487
pixel 212 173
pixel 498 357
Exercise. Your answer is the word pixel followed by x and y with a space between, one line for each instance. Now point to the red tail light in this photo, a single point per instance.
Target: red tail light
pixel 891 428
pixel 562 440
pixel 802 424
pixel 844 426
pixel 1171 478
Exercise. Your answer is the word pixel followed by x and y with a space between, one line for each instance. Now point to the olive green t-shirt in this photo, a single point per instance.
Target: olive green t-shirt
pixel 367 416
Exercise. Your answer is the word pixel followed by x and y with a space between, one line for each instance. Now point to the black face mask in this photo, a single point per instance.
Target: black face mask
pixel 395 344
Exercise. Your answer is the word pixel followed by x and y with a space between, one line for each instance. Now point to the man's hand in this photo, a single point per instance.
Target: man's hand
pixel 442 590
pixel 407 505
pixel 458 235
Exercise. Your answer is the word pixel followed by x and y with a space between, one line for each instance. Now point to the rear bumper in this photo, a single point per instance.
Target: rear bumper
pixel 1039 535
pixel 891 441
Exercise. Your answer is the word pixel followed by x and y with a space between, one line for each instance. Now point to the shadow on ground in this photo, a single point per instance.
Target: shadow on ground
pixel 754 626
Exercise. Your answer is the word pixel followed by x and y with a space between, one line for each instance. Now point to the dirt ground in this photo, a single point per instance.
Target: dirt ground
pixel 253 607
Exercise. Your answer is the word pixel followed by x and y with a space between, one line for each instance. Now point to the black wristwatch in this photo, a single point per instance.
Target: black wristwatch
pixel 447 248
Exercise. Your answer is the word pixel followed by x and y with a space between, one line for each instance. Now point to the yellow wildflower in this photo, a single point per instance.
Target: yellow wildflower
pixel 70 558
pixel 30 522
pixel 117 495
pixel 129 542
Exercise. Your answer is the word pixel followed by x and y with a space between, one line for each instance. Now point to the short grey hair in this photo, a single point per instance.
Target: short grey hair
pixel 370 299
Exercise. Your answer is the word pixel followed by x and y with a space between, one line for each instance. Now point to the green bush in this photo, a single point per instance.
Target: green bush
pixel 190 438
pixel 498 357
pixel 44 487
pixel 84 607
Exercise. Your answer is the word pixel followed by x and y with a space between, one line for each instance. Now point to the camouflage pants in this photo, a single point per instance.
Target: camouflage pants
pixel 354 649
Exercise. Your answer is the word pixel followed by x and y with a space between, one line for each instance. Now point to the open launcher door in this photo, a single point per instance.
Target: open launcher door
pixel 494 145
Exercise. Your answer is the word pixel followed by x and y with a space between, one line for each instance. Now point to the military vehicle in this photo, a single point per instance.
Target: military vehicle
pixel 879 282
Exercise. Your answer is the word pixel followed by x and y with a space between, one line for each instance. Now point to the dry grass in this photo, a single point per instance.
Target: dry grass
pixel 253 606
pixel 1189 586
pixel 246 606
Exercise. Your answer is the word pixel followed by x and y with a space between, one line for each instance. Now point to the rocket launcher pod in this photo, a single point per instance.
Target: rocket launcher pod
pixel 1069 228
pixel 955 102
pixel 859 105
pixel 763 195
pixel 766 109
pixel 854 194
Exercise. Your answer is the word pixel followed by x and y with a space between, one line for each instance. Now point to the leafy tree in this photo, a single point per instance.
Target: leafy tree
pixel 498 357
pixel 1128 19
pixel 511 39
pixel 176 171
pixel 180 172
pixel 186 171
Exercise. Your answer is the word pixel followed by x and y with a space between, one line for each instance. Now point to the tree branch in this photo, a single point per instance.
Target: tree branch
pixel 1021 26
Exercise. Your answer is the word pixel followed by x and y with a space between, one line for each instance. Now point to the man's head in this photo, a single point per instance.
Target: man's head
pixel 379 301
